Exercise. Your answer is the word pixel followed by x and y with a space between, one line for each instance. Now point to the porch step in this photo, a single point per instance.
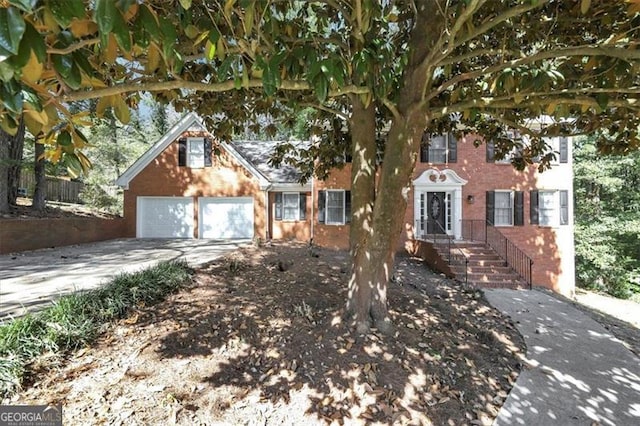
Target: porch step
pixel 481 269
pixel 485 269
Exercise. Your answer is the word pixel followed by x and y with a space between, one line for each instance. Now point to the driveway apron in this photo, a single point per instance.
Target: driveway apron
pixel 31 280
pixel 576 372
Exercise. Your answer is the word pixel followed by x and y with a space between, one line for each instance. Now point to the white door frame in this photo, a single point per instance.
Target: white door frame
pixel 447 181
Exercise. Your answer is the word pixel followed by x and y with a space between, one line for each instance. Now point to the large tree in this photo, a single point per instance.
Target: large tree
pixel 401 68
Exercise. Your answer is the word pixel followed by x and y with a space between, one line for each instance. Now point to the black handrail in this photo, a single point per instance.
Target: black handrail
pixel 458 255
pixel 513 256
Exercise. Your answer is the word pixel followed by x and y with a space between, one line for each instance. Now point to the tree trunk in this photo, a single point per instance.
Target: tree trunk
pixel 4 171
pixel 363 181
pixel 40 192
pixel 373 248
pixel 16 149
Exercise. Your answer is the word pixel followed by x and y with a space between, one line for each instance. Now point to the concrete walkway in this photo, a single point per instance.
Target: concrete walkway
pixel 30 280
pixel 577 373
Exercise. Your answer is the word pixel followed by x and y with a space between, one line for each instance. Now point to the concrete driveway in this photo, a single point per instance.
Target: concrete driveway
pixel 576 372
pixel 30 280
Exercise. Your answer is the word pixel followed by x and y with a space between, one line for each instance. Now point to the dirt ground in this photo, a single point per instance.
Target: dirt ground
pixel 52 210
pixel 258 338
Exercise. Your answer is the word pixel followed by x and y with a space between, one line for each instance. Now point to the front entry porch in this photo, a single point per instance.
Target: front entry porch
pixel 438 204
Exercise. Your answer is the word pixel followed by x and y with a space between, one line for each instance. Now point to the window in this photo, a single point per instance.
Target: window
pixel 194 152
pixel 439 149
pixel 505 208
pixel 550 207
pixel 547 208
pixel 516 151
pixel 334 207
pixel 290 206
pixel 559 146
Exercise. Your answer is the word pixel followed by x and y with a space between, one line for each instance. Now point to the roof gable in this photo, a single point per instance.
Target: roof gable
pixel 188 122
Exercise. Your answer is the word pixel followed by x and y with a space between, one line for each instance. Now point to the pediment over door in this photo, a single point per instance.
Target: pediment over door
pixel 443 178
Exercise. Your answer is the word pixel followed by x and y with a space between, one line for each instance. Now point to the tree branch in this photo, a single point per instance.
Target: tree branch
pixel 158 86
pixel 509 103
pixel 615 52
pixel 483 101
pixel 492 23
pixel 72 48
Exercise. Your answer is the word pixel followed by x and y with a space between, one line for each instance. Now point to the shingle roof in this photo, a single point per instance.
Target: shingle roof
pixel 258 153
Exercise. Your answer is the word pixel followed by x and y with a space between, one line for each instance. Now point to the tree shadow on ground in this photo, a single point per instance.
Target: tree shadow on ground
pixel 263 330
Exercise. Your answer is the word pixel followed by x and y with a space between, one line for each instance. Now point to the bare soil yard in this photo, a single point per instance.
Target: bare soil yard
pixel 259 339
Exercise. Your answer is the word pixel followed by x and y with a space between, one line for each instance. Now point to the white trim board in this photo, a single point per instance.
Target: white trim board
pixel 185 123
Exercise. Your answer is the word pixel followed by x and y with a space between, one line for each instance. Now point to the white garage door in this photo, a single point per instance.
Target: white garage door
pixel 165 217
pixel 225 217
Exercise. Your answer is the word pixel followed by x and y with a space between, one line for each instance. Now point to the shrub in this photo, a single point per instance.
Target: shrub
pixel 75 320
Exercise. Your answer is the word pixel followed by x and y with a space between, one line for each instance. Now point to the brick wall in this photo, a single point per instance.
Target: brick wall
pixel 30 234
pixel 225 178
pixel 551 248
pixel 290 230
pixel 332 236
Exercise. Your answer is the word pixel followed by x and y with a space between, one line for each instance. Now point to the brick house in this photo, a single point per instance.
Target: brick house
pixel 463 204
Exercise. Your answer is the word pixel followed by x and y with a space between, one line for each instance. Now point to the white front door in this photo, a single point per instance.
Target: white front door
pixel 438 203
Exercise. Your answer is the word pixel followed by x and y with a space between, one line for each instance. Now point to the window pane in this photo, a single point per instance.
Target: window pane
pixel 196 153
pixel 547 207
pixel 290 207
pixel 335 207
pixel 503 208
pixel 438 149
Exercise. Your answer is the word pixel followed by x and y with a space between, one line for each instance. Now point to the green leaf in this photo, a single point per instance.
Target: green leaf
pixel 121 32
pixel 210 50
pixel 11 99
pixel 74 79
pixel 104 15
pixel 22 58
pixel 64 11
pixel 83 63
pixel 71 160
pixel 6 71
pixel 270 80
pixel 26 5
pixel 186 4
pixel 603 100
pixel 321 86
pixel 64 138
pixel 169 37
pixel 12 28
pixel 31 97
pixel 62 64
pixel 36 42
pixel 149 21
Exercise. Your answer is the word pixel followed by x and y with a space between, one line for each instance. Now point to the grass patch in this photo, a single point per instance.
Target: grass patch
pixel 75 320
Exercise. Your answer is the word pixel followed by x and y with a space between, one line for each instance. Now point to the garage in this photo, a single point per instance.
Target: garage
pixel 225 217
pixel 164 217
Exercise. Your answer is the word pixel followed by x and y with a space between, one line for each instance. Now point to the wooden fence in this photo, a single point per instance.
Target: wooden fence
pixel 58 189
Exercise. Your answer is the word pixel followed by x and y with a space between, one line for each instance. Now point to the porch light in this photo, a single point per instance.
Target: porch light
pixel 471 199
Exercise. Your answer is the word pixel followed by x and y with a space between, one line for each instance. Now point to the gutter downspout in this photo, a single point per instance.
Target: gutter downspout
pixel 266 214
